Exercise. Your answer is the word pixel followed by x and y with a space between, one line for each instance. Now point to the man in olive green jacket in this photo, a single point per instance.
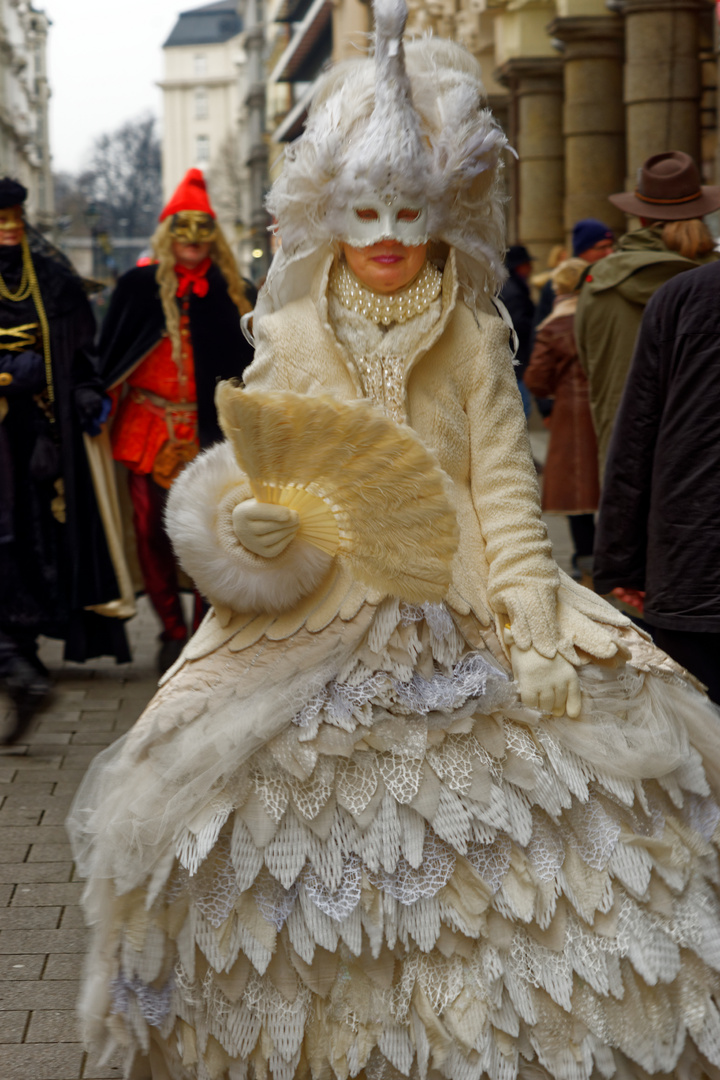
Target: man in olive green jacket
pixel 617 288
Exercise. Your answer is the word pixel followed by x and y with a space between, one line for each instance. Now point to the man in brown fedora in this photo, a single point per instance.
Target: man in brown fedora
pixel 670 202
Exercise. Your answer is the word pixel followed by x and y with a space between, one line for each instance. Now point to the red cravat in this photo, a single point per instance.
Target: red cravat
pixel 193 279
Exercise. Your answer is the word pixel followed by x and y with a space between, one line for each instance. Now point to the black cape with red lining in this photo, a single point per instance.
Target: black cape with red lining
pixel 135 323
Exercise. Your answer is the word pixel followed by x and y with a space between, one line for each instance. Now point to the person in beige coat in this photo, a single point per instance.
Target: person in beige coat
pixel 360 834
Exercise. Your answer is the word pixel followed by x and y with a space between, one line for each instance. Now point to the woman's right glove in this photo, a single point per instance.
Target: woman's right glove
pixel 549 685
pixel 265 528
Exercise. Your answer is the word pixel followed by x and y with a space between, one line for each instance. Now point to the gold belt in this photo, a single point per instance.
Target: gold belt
pixel 172 412
pixel 19 338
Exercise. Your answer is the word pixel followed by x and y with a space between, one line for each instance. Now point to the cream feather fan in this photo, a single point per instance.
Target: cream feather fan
pixel 366 489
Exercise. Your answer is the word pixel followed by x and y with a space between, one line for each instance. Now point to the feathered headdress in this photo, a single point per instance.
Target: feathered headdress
pixel 410 121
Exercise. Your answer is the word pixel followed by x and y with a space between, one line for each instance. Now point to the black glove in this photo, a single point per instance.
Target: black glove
pixel 21 373
pixel 93 409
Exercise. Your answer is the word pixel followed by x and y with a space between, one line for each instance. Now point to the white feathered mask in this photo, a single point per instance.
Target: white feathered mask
pixel 408 123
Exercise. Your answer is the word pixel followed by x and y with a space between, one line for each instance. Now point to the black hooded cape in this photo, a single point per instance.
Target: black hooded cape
pixel 51 571
pixel 135 324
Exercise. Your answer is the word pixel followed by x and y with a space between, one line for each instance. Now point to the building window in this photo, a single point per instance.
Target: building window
pixel 200 64
pixel 201 103
pixel 202 149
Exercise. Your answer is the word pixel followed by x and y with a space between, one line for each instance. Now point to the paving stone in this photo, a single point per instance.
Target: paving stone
pixel 13 853
pixel 60 715
pixel 44 994
pixel 12 1029
pixel 29 918
pixel 31 872
pixel 46 834
pixel 91 738
pixel 6 891
pixel 55 852
pixel 39 762
pixel 41 1061
pixel 20 967
pixel 63 966
pixel 6 774
pixel 53 1025
pixel 19 815
pixel 51 738
pixel 72 916
pixel 24 788
pixel 46 895
pixel 42 941
pixel 98 704
pixel 57 813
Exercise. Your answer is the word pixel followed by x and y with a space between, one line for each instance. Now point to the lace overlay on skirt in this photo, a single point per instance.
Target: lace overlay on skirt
pixel 419 877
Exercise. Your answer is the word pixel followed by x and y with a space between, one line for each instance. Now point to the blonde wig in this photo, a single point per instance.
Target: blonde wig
pixel 221 255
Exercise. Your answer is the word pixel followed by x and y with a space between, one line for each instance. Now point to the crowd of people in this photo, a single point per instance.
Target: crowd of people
pixel 411 803
pixel 628 435
pixel 171 332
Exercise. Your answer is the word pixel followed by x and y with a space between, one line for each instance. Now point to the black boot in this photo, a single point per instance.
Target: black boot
pixel 28 689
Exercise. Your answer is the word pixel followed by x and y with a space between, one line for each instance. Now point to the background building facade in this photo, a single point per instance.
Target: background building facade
pixel 204 112
pixel 24 96
pixel 585 90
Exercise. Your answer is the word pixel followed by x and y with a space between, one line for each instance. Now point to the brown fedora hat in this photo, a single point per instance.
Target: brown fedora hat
pixel 669 189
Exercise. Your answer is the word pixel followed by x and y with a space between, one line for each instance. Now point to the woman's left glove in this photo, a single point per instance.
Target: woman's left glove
pixel 549 685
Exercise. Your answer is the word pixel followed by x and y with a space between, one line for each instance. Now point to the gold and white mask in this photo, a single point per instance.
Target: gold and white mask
pixel 193 227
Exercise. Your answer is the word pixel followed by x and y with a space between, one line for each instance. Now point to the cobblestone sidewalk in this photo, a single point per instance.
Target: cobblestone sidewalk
pixel 41 930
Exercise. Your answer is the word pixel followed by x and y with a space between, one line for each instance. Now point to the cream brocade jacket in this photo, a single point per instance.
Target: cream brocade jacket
pixel 460 395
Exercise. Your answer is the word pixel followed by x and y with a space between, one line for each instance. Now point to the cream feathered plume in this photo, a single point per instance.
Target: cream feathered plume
pixel 411 119
pixel 389 156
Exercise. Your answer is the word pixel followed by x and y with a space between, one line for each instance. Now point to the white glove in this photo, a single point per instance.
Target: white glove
pixel 265 528
pixel 549 685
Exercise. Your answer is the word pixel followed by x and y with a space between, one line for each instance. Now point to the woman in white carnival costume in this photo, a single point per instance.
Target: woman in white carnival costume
pixel 355 835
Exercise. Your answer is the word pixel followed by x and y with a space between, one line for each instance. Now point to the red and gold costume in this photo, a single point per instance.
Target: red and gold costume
pixel 163 376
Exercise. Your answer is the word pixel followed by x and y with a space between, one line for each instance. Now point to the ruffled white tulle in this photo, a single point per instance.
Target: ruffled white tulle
pixel 381 862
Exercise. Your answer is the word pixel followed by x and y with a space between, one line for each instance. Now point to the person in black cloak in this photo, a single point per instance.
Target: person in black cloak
pixel 171 332
pixel 56 569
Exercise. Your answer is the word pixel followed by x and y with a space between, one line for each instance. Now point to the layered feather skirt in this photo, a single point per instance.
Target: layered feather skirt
pixel 356 853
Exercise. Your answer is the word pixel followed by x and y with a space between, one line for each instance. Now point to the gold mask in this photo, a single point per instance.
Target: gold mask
pixel 193 227
pixel 12 225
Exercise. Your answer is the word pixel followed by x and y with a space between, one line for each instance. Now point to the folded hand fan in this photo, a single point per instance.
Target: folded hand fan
pixel 366 488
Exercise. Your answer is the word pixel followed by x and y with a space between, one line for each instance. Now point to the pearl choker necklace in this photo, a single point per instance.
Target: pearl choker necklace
pixel 391 307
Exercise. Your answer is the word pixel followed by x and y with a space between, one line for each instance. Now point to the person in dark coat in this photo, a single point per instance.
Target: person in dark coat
pixel 55 558
pixel 570 481
pixel 171 332
pixel 670 202
pixel 515 295
pixel 658 529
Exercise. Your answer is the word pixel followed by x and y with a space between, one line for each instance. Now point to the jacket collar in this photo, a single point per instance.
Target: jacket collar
pixel 448 295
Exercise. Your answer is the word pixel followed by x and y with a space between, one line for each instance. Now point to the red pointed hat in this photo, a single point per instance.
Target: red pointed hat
pixel 190 194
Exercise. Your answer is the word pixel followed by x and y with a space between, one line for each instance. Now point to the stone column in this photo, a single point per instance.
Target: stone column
pixel 593 116
pixel 662 79
pixel 535 131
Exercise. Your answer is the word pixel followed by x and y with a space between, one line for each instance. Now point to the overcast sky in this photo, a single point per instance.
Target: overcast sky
pixel 105 57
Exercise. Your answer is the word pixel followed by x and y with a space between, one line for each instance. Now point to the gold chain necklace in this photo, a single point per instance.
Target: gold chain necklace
pixel 23 289
pixel 29 286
